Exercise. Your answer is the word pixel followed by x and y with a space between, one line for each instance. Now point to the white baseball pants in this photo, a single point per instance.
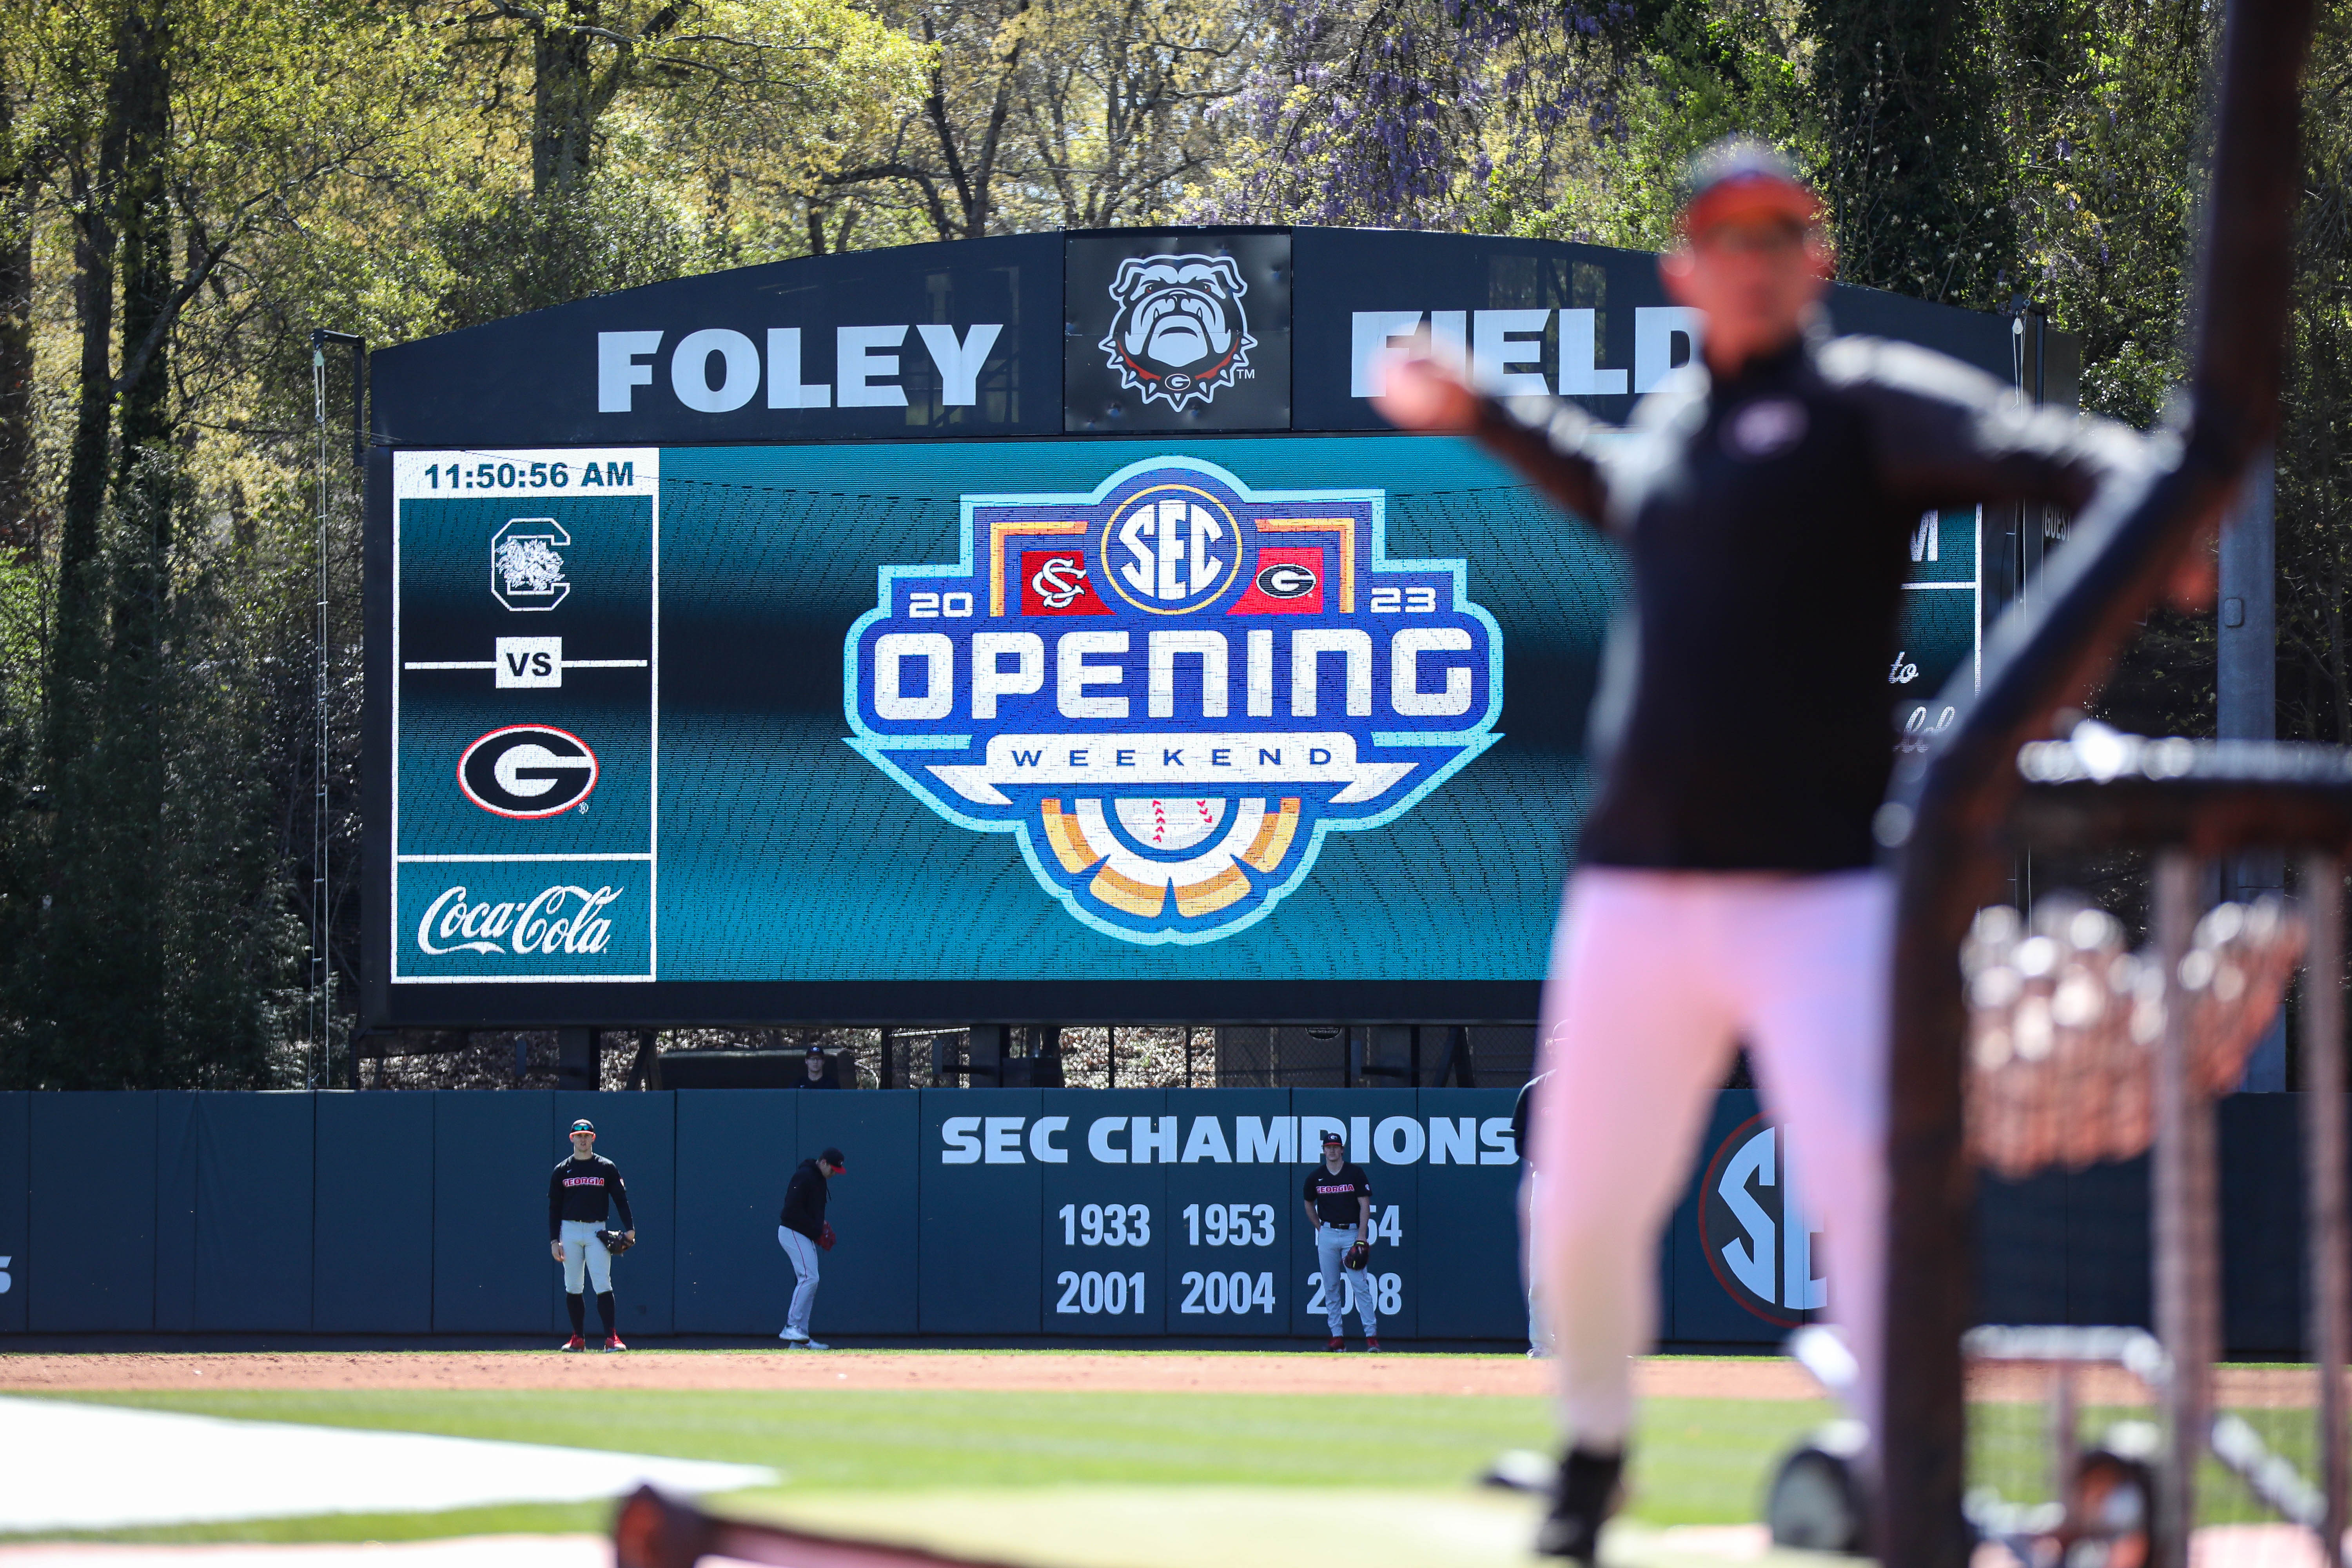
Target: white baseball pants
pixel 1331 1244
pixel 1531 1210
pixel 1656 977
pixel 582 1252
pixel 802 1254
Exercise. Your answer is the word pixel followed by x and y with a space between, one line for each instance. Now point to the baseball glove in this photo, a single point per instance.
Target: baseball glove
pixel 616 1242
pixel 1359 1256
pixel 824 1237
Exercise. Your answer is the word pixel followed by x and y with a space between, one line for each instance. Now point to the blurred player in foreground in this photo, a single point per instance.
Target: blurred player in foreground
pixel 1726 888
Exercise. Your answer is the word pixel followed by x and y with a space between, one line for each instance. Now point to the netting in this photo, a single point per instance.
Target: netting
pixel 2072 1461
pixel 2064 1024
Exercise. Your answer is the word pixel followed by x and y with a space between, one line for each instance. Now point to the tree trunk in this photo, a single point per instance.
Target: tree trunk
pixel 562 118
pixel 145 455
pixel 79 650
pixel 146 494
pixel 18 534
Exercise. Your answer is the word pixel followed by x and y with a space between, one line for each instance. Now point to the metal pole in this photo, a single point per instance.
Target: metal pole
pixel 322 973
pixel 2182 1220
pixel 2245 697
pixel 322 965
pixel 2324 1155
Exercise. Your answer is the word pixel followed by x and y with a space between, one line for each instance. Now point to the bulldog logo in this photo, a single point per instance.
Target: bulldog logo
pixel 1179 334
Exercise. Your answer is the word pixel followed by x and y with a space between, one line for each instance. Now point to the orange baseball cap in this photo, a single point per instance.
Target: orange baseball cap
pixel 1742 177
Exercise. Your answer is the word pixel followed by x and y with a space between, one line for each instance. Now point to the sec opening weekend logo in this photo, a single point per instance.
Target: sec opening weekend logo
pixel 1170 689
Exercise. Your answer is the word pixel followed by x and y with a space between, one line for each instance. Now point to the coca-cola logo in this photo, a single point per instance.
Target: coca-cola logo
pixel 561 920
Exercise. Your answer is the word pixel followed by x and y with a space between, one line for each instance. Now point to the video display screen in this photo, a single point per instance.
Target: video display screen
pixel 1160 714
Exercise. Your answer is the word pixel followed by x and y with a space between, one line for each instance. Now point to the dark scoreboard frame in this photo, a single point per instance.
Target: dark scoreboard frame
pixel 532 382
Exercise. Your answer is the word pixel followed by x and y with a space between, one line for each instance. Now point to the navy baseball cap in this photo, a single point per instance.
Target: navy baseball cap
pixel 1331 1137
pixel 833 1157
pixel 816 1050
pixel 1740 176
pixel 584 1125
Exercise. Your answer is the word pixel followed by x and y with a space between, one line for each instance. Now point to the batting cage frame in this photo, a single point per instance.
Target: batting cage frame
pixel 1955 814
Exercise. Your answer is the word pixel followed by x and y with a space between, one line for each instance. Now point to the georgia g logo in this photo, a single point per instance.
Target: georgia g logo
pixel 1179 334
pixel 1170 689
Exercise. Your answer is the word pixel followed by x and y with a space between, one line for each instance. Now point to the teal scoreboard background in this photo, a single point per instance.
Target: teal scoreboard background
pixel 733 658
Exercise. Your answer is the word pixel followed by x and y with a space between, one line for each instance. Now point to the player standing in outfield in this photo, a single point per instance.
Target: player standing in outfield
pixel 1523 1112
pixel 801 1232
pixel 1725 887
pixel 1340 1206
pixel 578 1197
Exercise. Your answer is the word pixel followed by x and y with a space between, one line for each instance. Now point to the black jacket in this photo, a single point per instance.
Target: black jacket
pixel 804 1200
pixel 1768 520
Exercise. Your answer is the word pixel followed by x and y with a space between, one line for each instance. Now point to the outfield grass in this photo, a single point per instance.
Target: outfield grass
pixel 1698 1460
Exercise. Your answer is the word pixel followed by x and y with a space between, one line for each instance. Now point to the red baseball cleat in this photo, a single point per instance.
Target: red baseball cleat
pixel 1335 1343
pixel 574 1343
pixel 1371 1344
pixel 613 1343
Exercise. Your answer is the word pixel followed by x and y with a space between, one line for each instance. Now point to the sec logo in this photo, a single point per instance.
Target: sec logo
pixel 1173 688
pixel 1175 548
pixel 527 771
pixel 1757 1235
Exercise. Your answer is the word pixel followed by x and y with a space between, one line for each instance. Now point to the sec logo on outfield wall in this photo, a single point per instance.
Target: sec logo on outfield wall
pixel 1758 1236
pixel 1169 689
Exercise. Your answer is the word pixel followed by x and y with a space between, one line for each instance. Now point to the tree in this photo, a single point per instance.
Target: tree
pixel 1915 176
pixel 586 54
pixel 1037 112
pixel 186 132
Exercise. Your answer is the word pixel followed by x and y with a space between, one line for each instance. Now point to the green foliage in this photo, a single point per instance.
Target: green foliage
pixel 145 940
pixel 1915 173
pixel 513 251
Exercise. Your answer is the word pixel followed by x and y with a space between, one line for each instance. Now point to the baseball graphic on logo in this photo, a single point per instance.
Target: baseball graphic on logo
pixel 1180 335
pixel 1170 824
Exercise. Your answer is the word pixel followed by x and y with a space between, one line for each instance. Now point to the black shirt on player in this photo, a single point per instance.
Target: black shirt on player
pixel 579 1191
pixel 804 1198
pixel 1768 518
pixel 1333 1197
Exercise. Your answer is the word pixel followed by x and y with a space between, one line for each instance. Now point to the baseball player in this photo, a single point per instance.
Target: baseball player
pixel 1340 1206
pixel 578 1196
pixel 1522 1112
pixel 801 1232
pixel 1725 886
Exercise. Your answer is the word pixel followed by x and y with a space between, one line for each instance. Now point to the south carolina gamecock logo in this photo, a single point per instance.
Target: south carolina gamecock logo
pixel 1180 335
pixel 1170 689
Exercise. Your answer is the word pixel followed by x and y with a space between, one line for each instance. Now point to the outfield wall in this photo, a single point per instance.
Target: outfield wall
pixel 965 1213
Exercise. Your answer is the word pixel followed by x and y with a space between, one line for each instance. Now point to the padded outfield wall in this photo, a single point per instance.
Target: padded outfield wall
pixel 968 1215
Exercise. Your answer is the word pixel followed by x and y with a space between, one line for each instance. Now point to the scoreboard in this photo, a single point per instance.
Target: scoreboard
pixel 1074 642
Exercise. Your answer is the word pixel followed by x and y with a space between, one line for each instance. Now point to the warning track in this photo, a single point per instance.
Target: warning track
pixel 1109 1372
pixel 1009 1370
